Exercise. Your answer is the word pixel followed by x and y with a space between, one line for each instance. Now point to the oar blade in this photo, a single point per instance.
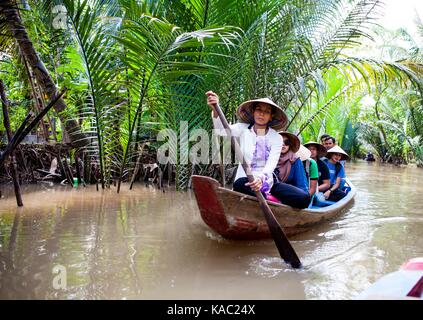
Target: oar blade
pixel 285 248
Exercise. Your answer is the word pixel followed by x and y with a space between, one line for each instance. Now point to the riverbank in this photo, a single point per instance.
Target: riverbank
pixel 46 161
pixel 57 162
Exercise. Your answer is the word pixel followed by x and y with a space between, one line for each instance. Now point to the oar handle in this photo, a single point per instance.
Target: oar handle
pixel 285 249
pixel 235 143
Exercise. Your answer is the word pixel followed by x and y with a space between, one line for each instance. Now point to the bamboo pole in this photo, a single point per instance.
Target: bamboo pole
pixel 67 168
pixel 62 168
pixel 78 171
pixel 13 166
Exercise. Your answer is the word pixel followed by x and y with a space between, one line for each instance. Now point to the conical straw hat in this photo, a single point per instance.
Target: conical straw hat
pixel 337 149
pixel 245 113
pixel 321 150
pixel 303 153
pixel 295 142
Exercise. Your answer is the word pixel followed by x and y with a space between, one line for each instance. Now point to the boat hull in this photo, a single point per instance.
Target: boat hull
pixel 234 215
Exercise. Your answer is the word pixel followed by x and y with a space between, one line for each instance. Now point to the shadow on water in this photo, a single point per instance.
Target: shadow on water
pixel 145 244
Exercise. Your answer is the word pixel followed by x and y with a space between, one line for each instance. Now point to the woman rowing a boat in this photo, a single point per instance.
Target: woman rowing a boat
pixel 259 141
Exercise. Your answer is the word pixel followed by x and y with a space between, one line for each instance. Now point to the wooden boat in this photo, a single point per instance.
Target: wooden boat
pixel 238 216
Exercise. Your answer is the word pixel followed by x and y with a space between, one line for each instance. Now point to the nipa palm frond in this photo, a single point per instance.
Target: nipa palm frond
pixel 98 52
pixel 171 61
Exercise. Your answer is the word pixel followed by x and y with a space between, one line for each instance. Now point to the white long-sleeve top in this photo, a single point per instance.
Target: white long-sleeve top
pixel 260 152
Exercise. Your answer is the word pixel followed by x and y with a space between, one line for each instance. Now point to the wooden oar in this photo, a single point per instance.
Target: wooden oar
pixel 285 249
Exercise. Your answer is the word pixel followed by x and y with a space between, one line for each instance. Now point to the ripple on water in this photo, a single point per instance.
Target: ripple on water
pixel 214 236
pixel 269 267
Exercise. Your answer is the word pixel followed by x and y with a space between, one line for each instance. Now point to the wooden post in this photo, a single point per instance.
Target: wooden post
pixel 137 166
pixel 78 172
pixel 169 174
pixel 6 121
pixel 63 169
pixel 67 168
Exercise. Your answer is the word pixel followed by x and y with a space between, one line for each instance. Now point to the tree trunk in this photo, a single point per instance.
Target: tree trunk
pixel 9 11
pixel 37 101
pixel 386 146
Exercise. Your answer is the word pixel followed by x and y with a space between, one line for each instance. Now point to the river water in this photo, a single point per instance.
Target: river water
pixel 146 244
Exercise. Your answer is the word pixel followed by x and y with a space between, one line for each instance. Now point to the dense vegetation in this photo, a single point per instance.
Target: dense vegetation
pixel 134 67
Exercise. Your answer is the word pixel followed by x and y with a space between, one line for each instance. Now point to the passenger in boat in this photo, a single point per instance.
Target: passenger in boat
pixel 323 137
pixel 291 186
pixel 312 174
pixel 317 152
pixel 259 141
pixel 310 169
pixel 370 157
pixel 329 142
pixel 337 173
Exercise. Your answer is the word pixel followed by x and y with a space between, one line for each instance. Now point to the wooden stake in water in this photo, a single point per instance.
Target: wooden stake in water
pixel 13 165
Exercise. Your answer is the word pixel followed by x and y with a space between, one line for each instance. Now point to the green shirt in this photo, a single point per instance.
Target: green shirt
pixel 313 169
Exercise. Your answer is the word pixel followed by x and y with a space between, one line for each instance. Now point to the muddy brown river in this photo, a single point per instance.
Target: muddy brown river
pixel 145 244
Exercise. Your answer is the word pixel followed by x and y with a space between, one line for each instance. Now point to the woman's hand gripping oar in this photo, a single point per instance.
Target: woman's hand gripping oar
pixel 285 249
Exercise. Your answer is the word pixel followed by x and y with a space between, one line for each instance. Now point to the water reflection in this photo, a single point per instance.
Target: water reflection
pixel 145 244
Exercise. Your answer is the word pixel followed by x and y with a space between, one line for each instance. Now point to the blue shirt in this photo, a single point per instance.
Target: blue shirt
pixel 332 170
pixel 297 176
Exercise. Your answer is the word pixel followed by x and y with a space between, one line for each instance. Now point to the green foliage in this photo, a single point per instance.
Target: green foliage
pixel 386 125
pixel 134 67
pixel 397 111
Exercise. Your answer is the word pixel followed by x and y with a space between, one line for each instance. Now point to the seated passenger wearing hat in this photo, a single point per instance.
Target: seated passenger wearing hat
pixel 310 168
pixel 329 142
pixel 318 151
pixel 259 141
pixel 337 173
pixel 291 187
